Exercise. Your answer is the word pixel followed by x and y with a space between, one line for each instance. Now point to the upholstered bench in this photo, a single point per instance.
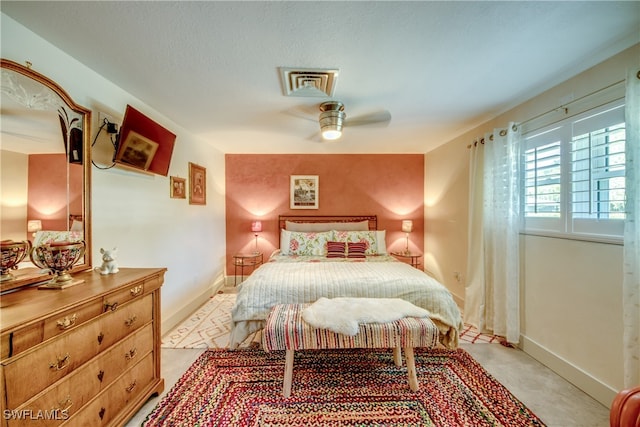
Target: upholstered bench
pixel 286 330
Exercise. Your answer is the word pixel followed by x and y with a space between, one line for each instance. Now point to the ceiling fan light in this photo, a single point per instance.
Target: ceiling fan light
pixel 331 134
pixel 331 118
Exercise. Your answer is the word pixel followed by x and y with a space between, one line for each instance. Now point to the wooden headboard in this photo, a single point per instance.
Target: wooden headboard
pixel 373 219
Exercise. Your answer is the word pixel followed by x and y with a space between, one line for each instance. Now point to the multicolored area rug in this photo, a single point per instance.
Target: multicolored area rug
pixel 361 387
pixel 210 325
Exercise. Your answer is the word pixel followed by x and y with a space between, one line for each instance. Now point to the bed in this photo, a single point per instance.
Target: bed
pixel 337 256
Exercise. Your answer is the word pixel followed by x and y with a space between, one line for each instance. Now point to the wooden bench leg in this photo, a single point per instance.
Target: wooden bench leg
pixel 411 369
pixel 288 373
pixel 397 355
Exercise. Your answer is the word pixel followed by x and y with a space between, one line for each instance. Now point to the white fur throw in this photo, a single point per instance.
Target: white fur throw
pixel 343 315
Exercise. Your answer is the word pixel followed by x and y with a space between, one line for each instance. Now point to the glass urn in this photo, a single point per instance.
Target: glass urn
pixel 12 254
pixel 59 258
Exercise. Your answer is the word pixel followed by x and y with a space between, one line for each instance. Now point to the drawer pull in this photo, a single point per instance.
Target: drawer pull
pixel 60 364
pixel 132 386
pixel 100 375
pixel 100 337
pixel 130 321
pixel 101 413
pixel 67 322
pixel 64 405
pixel 136 290
pixel 110 306
pixel 130 354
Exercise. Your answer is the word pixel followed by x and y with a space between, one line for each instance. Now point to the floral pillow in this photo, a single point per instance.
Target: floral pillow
pixel 374 241
pixel 305 243
pixel 46 236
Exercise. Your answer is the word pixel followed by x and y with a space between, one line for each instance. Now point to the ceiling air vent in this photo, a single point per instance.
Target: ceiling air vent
pixel 308 81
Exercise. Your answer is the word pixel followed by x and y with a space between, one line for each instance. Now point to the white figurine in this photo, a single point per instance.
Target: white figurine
pixel 109 264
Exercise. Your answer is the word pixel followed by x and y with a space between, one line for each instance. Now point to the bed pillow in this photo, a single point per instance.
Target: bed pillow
pixel 336 250
pixel 47 236
pixel 304 243
pixel 327 226
pixel 356 250
pixel 373 240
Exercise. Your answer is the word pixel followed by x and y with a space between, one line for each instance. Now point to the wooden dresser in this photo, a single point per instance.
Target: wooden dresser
pixel 88 355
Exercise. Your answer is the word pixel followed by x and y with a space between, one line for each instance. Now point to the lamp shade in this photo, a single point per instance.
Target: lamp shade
pixel 407 225
pixel 256 226
pixel 34 225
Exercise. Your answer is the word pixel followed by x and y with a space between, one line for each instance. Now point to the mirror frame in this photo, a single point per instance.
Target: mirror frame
pixel 28 279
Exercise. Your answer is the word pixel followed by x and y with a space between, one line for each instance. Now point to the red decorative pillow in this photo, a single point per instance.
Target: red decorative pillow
pixel 356 250
pixel 335 249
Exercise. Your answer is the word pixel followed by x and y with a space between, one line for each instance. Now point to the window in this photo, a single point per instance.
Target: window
pixel 574 176
pixel 542 181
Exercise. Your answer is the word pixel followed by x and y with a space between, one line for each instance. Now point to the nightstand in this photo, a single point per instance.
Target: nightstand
pixel 412 258
pixel 241 261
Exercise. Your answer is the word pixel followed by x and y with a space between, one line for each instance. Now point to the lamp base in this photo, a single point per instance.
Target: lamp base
pixel 53 284
pixel 4 277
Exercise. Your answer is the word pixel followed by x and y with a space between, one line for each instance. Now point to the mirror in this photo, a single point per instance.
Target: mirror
pixel 45 167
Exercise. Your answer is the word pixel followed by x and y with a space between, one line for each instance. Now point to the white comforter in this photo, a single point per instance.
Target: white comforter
pixel 282 282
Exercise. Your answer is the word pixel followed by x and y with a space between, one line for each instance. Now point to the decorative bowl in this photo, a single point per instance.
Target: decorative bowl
pixel 12 254
pixel 59 258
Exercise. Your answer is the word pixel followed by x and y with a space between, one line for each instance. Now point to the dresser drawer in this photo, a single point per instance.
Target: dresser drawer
pixel 62 322
pixel 135 290
pixel 21 340
pixel 101 410
pixel 33 371
pixel 78 388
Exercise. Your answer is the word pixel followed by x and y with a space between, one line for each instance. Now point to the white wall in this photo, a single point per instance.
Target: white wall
pixel 13 188
pixel 571 312
pixel 133 211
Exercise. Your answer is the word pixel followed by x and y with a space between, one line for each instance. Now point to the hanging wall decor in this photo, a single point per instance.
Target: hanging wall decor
pixel 178 188
pixel 304 192
pixel 197 184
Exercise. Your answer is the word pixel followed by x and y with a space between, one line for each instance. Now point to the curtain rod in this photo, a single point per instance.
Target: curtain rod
pixel 564 107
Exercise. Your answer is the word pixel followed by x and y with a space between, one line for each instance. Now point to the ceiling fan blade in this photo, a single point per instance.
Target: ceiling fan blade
pixel 316 137
pixel 306 112
pixel 382 117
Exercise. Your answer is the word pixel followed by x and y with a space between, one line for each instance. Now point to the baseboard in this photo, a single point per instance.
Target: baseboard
pixel 170 322
pixel 459 301
pixel 234 280
pixel 576 376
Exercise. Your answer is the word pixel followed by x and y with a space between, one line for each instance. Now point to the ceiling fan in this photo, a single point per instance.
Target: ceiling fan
pixel 333 118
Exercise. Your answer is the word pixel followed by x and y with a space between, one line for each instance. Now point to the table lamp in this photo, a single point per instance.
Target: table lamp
pixel 256 227
pixel 407 225
pixel 33 226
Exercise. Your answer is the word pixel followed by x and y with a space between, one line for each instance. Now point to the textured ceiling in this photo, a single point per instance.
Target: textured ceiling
pixel 439 68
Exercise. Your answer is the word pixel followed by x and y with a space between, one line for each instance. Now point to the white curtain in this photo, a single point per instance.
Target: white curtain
pixel 631 283
pixel 474 289
pixel 492 294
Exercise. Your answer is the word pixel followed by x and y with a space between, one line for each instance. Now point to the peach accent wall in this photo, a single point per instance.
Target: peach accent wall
pixel 257 187
pixel 47 190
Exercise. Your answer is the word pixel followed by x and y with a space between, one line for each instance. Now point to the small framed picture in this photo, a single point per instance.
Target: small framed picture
pixel 304 192
pixel 137 151
pixel 197 184
pixel 178 189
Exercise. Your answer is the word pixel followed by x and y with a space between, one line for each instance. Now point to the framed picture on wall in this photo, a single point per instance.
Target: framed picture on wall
pixel 178 189
pixel 304 192
pixel 197 184
pixel 137 151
